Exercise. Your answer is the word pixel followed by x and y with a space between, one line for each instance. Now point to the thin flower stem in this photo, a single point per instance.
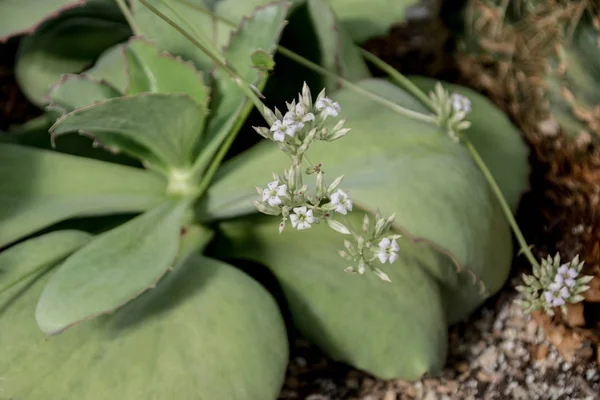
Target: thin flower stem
pixel 216 161
pixel 323 71
pixel 129 17
pixel 505 207
pixel 238 81
pixel 398 77
pixel 401 80
pixel 196 31
pixel 356 88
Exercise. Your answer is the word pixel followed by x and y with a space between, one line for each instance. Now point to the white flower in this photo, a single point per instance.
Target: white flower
pixel 460 103
pixel 327 107
pixel 273 193
pixel 556 298
pixel 302 218
pixel 342 201
pixel 566 275
pixel 282 128
pixel 388 250
pixel 298 116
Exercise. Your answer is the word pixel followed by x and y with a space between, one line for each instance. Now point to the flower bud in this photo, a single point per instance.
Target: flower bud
pixel 337 135
pixel 267 209
pixel 269 116
pixel 320 183
pixel 362 267
pixel 338 226
pixel 306 97
pixel 262 131
pixel 366 224
pixel 361 242
pixel 382 275
pixel 335 184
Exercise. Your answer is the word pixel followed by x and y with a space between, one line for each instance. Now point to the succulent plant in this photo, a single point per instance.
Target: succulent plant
pixel 112 260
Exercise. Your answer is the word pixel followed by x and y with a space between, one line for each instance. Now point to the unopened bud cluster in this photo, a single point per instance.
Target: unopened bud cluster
pixel 372 244
pixel 289 197
pixel 553 285
pixel 451 111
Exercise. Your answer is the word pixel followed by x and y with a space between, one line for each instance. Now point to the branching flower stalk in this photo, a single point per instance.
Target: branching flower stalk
pixel 551 285
pixel 289 196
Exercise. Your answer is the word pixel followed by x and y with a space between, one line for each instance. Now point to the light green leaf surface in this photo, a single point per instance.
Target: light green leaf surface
pixel 116 267
pixel 34 256
pixel 67 44
pixel 159 128
pixel 111 67
pixel 400 166
pixel 207 331
pixel 39 188
pixel 391 330
pixel 150 71
pixel 23 16
pixel 74 91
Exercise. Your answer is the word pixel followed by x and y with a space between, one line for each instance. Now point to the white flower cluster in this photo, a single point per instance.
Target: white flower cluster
pixel 451 111
pixel 303 123
pixel 553 285
pixel 289 197
pixel 559 291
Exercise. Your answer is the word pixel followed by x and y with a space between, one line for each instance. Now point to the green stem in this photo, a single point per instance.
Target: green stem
pixel 129 17
pixel 216 161
pixel 323 71
pixel 419 94
pixel 356 88
pixel 505 207
pixel 238 81
pixel 196 31
pixel 399 78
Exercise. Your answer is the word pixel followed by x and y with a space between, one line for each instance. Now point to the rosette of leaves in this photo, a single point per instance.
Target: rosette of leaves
pixel 142 314
pixel 545 54
pixel 207 330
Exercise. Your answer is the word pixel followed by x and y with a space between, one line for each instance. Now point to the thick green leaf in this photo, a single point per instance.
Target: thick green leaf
pixel 23 16
pixel 33 257
pixel 74 91
pixel 67 44
pixel 39 188
pixel 111 67
pixel 498 141
pixel 207 332
pixel 395 330
pixel 113 269
pixel 401 166
pixel 338 53
pixel 150 71
pixel 158 128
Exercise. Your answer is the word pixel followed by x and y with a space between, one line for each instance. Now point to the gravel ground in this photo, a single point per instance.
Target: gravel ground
pixel 499 354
